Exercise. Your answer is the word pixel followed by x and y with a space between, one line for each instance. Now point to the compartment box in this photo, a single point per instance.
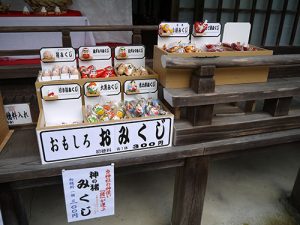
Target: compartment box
pixel 180 78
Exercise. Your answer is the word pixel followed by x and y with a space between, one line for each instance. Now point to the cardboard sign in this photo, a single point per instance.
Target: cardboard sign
pixel 93 140
pixel 236 32
pixel 62 104
pixel 173 32
pixel 89 193
pixel 134 54
pixel 102 92
pixel 99 56
pixel 137 89
pixel 212 35
pixel 17 114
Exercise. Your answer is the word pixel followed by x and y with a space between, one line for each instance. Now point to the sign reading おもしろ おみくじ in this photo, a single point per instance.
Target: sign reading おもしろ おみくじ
pixel 75 142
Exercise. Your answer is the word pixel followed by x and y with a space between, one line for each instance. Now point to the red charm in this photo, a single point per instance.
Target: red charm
pixel 200 27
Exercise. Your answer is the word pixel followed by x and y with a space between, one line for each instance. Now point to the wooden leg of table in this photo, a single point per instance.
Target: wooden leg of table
pixel 190 187
pixel 19 207
pixel 295 196
pixel 7 207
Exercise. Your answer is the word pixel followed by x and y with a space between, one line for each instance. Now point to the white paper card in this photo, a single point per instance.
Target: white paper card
pixel 108 90
pixel 212 35
pixel 137 89
pixel 170 32
pixel 18 114
pixel 89 193
pixel 66 106
pixel 236 32
pixel 100 139
pixel 134 54
pixel 99 56
pixel 57 56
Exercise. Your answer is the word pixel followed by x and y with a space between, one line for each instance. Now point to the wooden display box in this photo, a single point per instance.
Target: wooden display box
pixel 180 78
pixel 76 141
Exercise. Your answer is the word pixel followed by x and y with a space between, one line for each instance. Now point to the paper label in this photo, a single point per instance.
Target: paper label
pixel 173 33
pixel 105 91
pixel 99 56
pixel 18 114
pixel 78 142
pixel 89 193
pixel 130 52
pixel 137 89
pixel 213 30
pixel 62 92
pixel 57 54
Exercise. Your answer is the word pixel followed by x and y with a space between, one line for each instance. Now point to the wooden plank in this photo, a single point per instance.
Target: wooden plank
pixel 251 142
pixel 171 62
pixel 295 196
pixel 7 207
pixel 266 24
pixel 66 38
pixel 282 18
pixel 295 24
pixel 233 93
pixel 223 127
pixel 200 115
pixel 20 159
pixel 278 106
pixel 189 193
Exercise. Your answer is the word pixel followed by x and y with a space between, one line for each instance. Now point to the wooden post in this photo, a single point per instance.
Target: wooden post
pixel 278 106
pixel 189 192
pixel 136 36
pixel 66 38
pixel 202 81
pixel 295 196
pixel 249 106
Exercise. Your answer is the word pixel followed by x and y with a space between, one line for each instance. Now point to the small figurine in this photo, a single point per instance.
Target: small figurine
pixel 85 54
pixel 92 88
pixel 132 88
pixel 122 53
pixel 48 56
pixel 44 11
pixel 26 10
pixel 165 29
pixel 57 10
pixel 200 27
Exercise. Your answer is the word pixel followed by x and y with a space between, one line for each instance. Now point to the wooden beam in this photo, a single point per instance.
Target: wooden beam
pixel 219 10
pixel 230 61
pixel 266 24
pixel 252 15
pixel 295 24
pixel 282 18
pixel 189 192
pixel 236 10
pixel 295 196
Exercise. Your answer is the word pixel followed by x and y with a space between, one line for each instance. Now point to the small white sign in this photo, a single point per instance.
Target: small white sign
pixel 106 91
pixel 89 192
pixel 57 54
pixel 18 114
pixel 236 32
pixel 130 54
pixel 173 33
pixel 99 56
pixel 100 139
pixel 137 89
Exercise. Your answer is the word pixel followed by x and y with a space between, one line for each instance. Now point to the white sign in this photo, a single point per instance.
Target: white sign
pixel 173 33
pixel 137 89
pixel 107 91
pixel 130 54
pixel 212 35
pixel 18 114
pixel 64 91
pixel 93 140
pixel 89 193
pixel 236 32
pixel 99 56
pixel 51 57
